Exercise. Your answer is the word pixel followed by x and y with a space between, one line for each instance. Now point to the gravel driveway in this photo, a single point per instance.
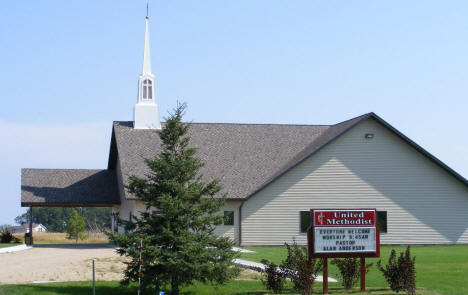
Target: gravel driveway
pixel 60 263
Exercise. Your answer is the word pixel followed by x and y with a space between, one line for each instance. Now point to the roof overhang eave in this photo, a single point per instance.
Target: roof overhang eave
pixel 36 204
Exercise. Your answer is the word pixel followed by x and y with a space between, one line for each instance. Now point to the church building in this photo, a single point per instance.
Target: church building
pixel 273 174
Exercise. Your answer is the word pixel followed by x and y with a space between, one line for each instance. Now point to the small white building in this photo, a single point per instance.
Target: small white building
pixel 274 174
pixel 24 228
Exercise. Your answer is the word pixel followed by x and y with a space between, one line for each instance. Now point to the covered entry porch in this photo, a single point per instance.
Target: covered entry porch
pixel 67 188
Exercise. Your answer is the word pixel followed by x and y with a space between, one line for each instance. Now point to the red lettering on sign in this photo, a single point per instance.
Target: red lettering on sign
pixel 345 218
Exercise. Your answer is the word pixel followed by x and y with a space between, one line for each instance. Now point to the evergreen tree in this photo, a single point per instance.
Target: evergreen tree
pixel 180 246
pixel 76 226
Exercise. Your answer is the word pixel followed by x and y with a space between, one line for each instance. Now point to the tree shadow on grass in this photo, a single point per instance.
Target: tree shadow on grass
pixel 369 290
pixel 112 288
pixel 75 246
pixel 109 288
pixel 75 289
pixel 233 293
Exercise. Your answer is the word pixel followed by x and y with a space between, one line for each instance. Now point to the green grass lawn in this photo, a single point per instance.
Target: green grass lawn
pixel 439 270
pixel 442 269
pixel 4 245
pixel 112 288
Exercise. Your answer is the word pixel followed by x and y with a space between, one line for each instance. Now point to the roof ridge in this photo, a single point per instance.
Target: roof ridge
pixel 247 124
pixel 261 124
pixel 360 116
pixel 64 169
pixel 369 114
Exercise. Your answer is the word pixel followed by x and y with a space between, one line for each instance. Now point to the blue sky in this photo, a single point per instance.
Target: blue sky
pixel 70 68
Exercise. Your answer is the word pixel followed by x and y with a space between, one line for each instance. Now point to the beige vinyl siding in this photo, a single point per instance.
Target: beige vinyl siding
pixel 126 206
pixel 425 204
pixel 230 231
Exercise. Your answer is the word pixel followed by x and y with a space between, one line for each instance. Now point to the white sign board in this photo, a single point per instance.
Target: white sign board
pixel 344 239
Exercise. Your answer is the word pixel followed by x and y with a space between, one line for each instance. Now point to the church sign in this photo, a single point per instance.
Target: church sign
pixel 344 231
pixel 340 233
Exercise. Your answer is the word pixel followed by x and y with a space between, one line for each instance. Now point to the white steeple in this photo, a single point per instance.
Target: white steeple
pixel 146 54
pixel 146 111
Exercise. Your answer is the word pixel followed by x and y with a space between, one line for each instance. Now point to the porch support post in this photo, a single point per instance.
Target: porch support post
pixel 30 225
pixel 112 221
pixel 363 274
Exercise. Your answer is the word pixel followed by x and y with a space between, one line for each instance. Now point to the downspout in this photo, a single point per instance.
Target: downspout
pixel 240 223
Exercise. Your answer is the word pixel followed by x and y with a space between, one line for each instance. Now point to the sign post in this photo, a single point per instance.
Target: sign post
pixel 342 233
pixel 325 275
pixel 363 274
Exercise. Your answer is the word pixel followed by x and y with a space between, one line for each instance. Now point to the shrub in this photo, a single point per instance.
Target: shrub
pixel 6 237
pixel 400 274
pixel 301 269
pixel 350 271
pixel 274 277
pixel 16 240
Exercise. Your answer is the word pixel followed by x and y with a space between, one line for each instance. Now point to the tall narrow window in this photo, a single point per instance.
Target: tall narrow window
pixel 305 220
pixel 150 89
pixel 382 221
pixel 147 89
pixel 228 217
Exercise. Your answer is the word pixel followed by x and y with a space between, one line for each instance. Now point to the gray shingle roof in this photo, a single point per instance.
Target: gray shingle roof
pixel 245 157
pixel 242 156
pixel 68 187
pixel 314 146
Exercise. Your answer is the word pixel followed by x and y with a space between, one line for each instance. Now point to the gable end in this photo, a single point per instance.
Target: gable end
pixel 336 131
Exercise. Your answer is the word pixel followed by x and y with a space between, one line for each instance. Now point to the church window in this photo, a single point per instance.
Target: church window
pixel 147 89
pixel 382 221
pixel 304 220
pixel 228 217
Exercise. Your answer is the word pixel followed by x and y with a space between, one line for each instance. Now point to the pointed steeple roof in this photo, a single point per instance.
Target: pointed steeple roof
pixel 146 54
pixel 146 110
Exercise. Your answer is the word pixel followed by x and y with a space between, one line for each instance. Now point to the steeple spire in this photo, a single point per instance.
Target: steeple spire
pixel 146 111
pixel 146 54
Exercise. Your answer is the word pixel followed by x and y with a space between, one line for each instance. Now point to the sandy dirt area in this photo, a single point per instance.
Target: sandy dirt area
pixel 60 263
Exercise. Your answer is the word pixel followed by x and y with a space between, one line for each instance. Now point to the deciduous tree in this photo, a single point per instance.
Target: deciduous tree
pixel 76 226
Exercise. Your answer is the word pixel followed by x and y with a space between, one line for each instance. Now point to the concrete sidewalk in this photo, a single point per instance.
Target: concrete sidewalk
pixel 260 266
pixel 14 248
